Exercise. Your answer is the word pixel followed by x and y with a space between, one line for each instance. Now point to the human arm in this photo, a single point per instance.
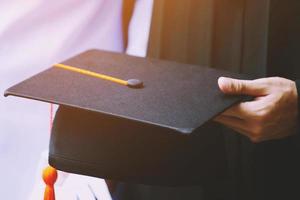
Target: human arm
pixel 139 28
pixel 273 114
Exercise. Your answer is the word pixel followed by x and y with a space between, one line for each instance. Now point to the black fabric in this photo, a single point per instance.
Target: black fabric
pixel 277 169
pixel 177 96
pixel 277 162
pixel 284 40
pixel 145 192
pixel 85 142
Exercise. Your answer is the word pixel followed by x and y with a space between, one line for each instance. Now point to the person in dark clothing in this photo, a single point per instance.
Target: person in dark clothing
pixel 272 114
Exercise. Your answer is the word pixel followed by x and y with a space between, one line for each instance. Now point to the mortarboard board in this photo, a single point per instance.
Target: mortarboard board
pixel 159 133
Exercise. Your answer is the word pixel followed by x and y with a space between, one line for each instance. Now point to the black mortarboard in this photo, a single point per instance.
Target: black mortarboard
pixel 158 133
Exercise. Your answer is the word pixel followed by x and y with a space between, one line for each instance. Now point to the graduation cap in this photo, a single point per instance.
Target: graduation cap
pixel 134 119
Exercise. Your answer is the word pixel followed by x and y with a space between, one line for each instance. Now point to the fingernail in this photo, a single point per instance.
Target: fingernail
pixel 223 82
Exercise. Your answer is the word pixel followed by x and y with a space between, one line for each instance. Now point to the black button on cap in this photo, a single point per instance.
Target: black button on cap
pixel 135 83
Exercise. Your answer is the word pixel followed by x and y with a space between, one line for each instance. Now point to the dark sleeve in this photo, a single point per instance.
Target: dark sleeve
pixel 298 91
pixel 297 136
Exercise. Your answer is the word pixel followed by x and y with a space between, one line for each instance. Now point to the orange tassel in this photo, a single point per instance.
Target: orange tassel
pixel 49 177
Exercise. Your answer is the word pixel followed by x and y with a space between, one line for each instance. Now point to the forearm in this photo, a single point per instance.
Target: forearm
pixel 139 28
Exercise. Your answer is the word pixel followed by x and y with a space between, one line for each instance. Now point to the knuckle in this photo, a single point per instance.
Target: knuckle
pixel 273 81
pixel 239 86
pixel 232 86
pixel 283 84
pixel 290 88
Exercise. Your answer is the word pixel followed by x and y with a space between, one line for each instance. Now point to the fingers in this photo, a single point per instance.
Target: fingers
pixel 242 111
pixel 232 122
pixel 244 87
pixel 252 131
pixel 239 126
pixel 271 115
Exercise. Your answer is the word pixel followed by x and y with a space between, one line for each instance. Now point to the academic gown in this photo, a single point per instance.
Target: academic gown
pixel 253 37
pixel 277 162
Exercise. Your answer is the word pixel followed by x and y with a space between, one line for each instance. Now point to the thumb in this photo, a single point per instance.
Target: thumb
pixel 238 87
